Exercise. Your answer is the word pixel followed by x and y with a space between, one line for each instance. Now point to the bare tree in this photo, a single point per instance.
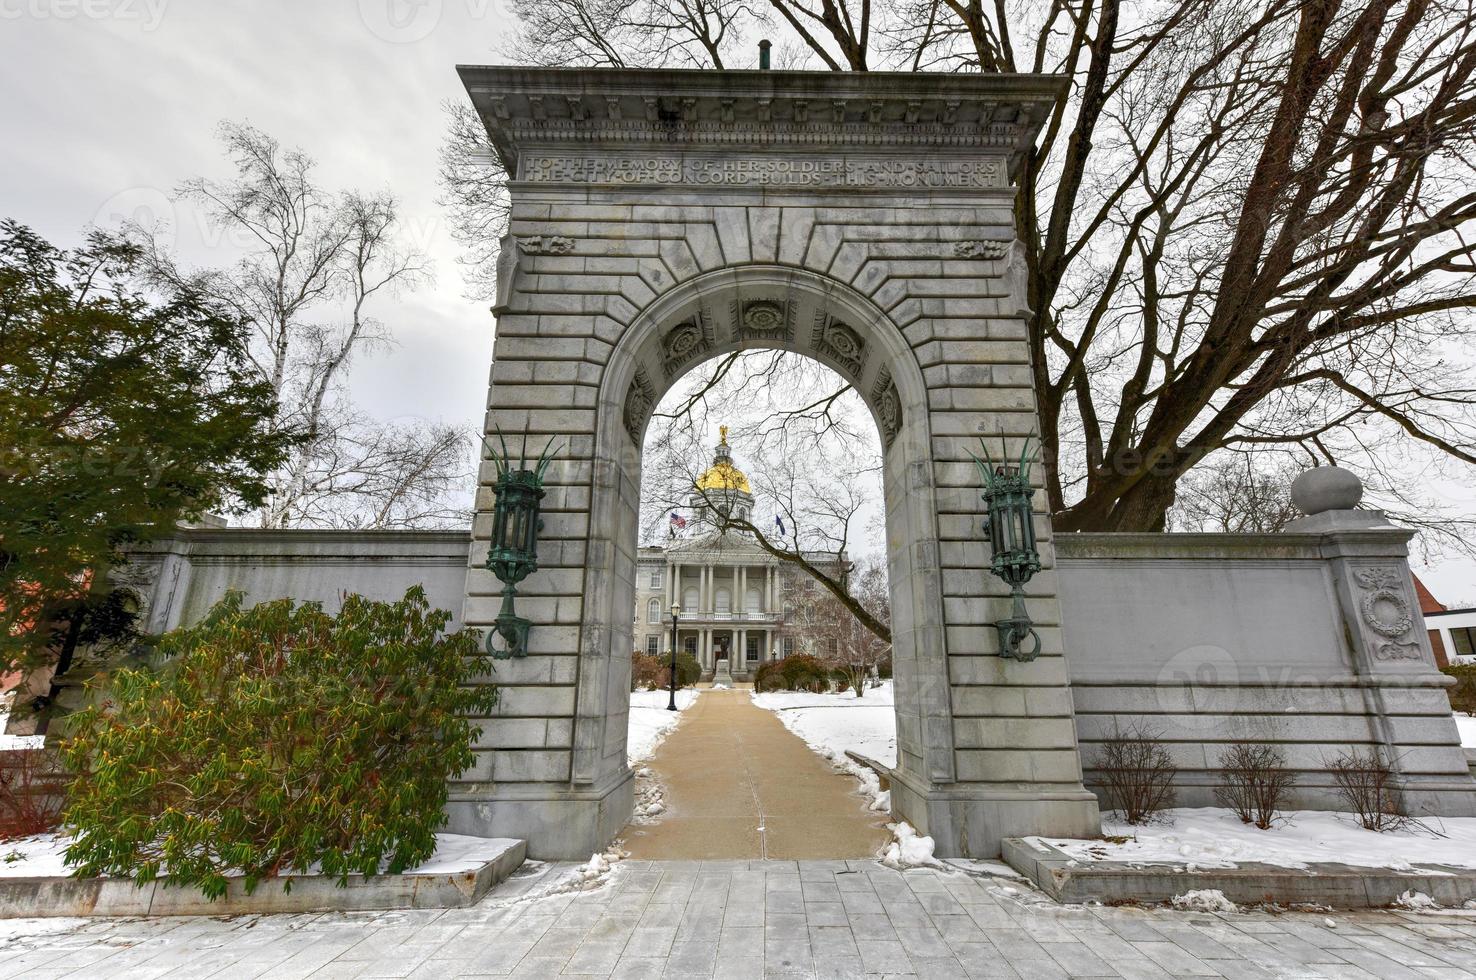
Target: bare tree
pixel 315 262
pixel 1248 228
pixel 1240 494
pixel 829 629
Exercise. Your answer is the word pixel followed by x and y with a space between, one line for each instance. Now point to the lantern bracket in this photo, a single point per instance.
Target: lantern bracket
pixel 516 524
pixel 1011 531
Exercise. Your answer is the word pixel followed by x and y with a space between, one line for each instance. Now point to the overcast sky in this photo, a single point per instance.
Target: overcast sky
pixel 109 104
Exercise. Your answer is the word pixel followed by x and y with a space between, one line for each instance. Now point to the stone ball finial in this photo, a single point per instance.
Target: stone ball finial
pixel 1325 488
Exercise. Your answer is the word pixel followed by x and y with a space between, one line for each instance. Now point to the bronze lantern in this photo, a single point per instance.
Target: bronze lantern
pixel 1010 525
pixel 513 555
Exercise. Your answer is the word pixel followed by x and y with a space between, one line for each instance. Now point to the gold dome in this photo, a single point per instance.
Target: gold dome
pixel 722 474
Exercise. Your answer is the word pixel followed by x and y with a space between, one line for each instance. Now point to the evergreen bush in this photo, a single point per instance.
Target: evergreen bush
pixel 1463 695
pixel 277 738
pixel 796 672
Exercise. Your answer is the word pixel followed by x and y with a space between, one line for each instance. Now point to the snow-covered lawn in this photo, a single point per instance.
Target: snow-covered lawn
pixel 1212 837
pixel 1467 725
pixel 833 723
pixel 650 721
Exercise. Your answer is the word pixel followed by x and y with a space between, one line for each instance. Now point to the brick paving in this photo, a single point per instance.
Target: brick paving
pixel 753 919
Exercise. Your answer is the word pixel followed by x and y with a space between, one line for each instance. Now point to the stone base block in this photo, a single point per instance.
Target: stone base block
pixel 559 823
pixel 972 821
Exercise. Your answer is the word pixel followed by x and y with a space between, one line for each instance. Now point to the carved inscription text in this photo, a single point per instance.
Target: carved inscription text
pixel 739 171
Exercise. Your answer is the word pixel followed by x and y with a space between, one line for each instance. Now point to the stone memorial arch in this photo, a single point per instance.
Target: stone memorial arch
pixel 660 218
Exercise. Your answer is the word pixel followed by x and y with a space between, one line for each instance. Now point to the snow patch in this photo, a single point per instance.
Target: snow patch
pixel 650 721
pixel 1466 725
pixel 1203 900
pixel 1416 902
pixel 909 849
pixel 1213 837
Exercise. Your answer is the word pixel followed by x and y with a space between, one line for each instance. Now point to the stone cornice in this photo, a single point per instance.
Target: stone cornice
pixel 757 111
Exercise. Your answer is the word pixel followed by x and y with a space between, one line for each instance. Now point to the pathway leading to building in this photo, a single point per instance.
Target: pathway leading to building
pixel 739 785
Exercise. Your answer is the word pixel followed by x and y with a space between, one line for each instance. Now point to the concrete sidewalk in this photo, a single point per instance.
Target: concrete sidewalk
pixel 739 785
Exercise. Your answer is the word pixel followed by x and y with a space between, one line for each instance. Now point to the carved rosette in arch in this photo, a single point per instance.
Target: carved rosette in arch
pixel 640 399
pixel 1385 608
pixel 684 343
pixel 840 342
pixel 764 320
pixel 888 407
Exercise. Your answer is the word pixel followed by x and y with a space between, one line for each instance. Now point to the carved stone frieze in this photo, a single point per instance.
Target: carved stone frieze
pixel 546 245
pixel 764 320
pixel 822 170
pixel 685 343
pixel 840 342
pixel 981 250
pixel 888 407
pixel 640 399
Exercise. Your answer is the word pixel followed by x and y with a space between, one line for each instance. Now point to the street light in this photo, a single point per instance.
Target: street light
pixel 676 608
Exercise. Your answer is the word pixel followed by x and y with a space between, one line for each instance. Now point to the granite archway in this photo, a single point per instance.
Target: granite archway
pixel 662 217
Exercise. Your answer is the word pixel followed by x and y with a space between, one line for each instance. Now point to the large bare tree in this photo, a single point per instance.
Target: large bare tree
pixel 313 264
pixel 1247 229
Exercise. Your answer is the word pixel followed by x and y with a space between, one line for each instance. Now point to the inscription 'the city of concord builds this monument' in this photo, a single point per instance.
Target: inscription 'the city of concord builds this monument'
pixel 660 218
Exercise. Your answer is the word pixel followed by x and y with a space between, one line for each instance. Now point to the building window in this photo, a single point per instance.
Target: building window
pixel 1463 638
pixel 690 645
pixel 752 653
pixel 724 602
pixel 656 577
pixel 788 645
pixel 653 645
pixel 689 600
pixel 653 611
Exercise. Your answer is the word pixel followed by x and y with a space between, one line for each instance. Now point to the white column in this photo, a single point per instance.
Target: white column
pixel 743 589
pixel 740 656
pixel 769 577
pixel 673 586
pixel 705 601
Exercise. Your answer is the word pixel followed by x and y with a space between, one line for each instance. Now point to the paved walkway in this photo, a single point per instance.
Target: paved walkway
pixel 751 920
pixel 738 784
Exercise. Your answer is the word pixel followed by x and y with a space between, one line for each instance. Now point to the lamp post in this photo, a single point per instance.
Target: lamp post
pixel 676 608
pixel 1015 556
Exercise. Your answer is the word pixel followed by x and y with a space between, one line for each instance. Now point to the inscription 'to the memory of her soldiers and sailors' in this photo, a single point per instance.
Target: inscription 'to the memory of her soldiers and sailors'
pixel 739 171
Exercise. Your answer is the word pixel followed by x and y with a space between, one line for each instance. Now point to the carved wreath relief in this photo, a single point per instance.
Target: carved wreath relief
pixel 1386 610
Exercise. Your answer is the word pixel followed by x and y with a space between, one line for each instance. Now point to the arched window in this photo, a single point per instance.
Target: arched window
pixel 755 604
pixel 724 600
pixel 653 611
pixel 689 599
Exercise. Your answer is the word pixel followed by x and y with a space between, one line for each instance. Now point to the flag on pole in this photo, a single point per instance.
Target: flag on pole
pixel 677 520
pixel 779 523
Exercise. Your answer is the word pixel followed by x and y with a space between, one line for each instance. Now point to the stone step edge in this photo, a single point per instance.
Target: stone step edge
pixel 1338 886
pixel 66 896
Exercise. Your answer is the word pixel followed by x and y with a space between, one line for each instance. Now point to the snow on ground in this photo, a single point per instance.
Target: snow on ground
pixel 650 721
pixel 1467 726
pixel 833 723
pixel 1212 837
pixel 17 741
pixel 41 856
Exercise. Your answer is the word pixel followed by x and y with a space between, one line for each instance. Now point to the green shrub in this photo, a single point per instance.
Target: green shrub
pixel 689 671
pixel 1463 695
pixel 796 672
pixel 278 737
